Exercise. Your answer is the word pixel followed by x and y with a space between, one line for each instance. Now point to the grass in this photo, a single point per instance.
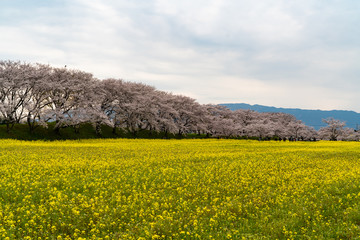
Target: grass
pixel 179 189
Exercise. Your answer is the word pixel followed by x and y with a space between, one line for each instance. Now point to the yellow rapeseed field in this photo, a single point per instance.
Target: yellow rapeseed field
pixel 179 189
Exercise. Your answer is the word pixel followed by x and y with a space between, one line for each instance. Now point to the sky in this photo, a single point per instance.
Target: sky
pixel 296 54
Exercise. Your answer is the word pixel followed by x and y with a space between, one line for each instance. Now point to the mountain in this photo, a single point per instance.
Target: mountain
pixel 309 117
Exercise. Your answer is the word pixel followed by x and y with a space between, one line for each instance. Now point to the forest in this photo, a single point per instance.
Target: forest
pixel 38 95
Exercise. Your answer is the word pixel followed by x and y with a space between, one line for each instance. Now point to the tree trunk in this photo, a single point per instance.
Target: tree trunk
pixel 57 130
pixel 150 133
pixel 77 128
pixel 30 124
pixel 7 127
pixel 180 133
pixel 98 128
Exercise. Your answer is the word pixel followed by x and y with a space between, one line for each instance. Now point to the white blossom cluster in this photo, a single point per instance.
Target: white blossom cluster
pixel 37 94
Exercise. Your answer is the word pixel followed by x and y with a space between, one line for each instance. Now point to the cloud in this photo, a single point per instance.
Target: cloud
pixel 263 52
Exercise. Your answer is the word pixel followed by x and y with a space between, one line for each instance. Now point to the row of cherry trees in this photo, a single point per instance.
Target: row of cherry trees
pixel 38 94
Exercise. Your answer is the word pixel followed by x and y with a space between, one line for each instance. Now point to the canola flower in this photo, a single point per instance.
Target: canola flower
pixel 171 189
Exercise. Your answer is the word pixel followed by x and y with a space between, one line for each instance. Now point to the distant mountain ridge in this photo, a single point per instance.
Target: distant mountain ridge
pixel 309 117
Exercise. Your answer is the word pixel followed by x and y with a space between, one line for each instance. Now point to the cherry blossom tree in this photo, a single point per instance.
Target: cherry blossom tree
pixel 67 96
pixel 349 134
pixel 294 129
pixel 261 128
pixel 190 115
pixel 110 97
pixel 167 115
pixel 17 81
pixel 38 99
pixel 220 121
pixel 333 129
pixel 38 94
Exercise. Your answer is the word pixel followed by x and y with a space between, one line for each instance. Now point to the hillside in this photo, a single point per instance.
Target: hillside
pixel 309 117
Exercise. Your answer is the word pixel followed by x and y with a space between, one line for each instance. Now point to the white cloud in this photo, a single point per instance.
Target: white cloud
pixel 229 20
pixel 281 53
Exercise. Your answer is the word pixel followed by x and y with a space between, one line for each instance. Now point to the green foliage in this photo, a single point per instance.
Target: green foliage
pixel 85 131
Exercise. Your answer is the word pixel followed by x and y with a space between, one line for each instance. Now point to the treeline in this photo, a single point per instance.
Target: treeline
pixel 38 94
